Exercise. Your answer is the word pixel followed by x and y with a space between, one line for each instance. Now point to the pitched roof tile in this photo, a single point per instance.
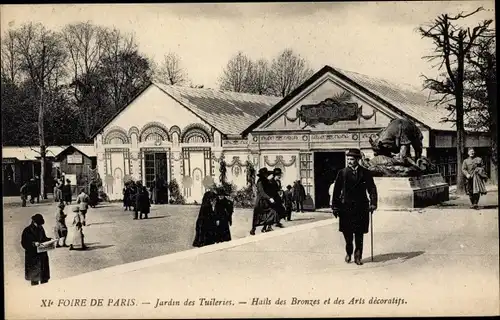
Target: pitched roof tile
pixel 229 112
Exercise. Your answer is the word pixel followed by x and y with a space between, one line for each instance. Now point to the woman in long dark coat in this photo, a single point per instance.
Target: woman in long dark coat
pixel 93 195
pixel 126 197
pixel 205 224
pixel 36 265
pixel 223 216
pixel 263 213
pixel 144 203
pixel 66 192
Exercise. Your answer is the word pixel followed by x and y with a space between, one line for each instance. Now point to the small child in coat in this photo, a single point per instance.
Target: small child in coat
pixel 61 230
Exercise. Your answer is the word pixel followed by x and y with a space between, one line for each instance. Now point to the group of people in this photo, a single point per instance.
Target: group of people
pixel 214 219
pixel 30 188
pixel 63 192
pixel 36 266
pixel 349 203
pixel 136 198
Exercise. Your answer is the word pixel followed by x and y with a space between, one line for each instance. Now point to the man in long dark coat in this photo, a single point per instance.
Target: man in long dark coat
pixel 36 265
pixel 351 205
pixel 278 205
pixel 299 195
pixel 34 191
pixel 136 199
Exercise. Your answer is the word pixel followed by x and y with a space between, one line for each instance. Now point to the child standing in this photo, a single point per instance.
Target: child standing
pixel 61 230
pixel 78 242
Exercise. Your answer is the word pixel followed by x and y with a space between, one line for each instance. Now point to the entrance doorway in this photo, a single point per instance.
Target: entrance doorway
pixel 326 167
pixel 156 175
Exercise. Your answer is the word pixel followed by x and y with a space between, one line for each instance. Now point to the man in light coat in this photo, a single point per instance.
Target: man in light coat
pixel 83 204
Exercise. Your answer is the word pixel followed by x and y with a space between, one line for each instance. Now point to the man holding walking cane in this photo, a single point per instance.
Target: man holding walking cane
pixel 351 204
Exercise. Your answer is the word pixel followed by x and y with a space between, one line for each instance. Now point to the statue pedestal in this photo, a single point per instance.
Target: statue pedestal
pixel 411 192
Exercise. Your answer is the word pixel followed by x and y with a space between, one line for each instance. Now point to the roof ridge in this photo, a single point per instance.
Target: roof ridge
pixel 175 87
pixel 388 81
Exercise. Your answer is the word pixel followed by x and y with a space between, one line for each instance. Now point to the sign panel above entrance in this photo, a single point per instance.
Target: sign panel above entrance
pixel 331 110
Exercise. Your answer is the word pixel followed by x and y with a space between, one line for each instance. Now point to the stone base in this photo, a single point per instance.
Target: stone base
pixel 411 192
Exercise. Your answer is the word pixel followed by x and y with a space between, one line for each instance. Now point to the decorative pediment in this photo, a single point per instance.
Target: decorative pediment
pixel 328 103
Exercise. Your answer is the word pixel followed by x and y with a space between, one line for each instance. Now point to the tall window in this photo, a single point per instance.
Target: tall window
pixel 306 171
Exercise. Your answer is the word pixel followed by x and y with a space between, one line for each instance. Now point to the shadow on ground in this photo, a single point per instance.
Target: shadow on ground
pixel 156 217
pixel 99 223
pixel 302 219
pixel 394 256
pixel 96 246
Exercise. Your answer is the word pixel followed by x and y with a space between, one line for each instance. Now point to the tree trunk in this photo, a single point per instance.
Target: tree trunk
pixel 41 137
pixel 491 91
pixel 459 101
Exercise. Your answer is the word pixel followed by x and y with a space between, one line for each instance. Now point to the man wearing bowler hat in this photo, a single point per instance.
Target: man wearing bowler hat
pixel 351 205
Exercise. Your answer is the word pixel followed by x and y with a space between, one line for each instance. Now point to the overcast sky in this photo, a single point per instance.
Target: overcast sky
pixel 376 39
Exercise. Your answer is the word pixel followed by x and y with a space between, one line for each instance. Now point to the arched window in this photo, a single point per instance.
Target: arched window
pixel 154 132
pixel 196 138
pixel 195 134
pixel 154 136
pixel 116 140
pixel 116 136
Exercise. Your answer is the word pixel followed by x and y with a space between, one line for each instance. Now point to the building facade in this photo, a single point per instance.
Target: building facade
pixel 183 133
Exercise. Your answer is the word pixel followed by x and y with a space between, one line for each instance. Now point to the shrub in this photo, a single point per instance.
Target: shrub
pixel 244 198
pixel 176 196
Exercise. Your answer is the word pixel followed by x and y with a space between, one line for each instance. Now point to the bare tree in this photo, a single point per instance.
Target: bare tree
pixel 260 77
pixel 452 45
pixel 10 58
pixel 237 75
pixel 171 71
pixel 42 58
pixel 481 89
pixel 288 71
pixel 117 46
pixel 85 44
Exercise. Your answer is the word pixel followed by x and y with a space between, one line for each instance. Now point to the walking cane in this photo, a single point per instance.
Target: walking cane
pixel 371 231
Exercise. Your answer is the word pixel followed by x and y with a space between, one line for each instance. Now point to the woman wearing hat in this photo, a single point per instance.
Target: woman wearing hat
pixel 223 216
pixel 36 264
pixel 351 205
pixel 61 230
pixel 263 213
pixel 78 243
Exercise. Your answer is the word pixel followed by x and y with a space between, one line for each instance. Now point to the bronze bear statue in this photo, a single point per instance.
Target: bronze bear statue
pixel 396 139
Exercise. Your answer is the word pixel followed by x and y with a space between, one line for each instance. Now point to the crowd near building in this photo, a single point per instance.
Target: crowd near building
pixel 182 133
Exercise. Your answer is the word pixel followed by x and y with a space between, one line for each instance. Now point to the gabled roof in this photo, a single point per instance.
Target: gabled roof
pixel 87 150
pixel 32 152
pixel 228 112
pixel 29 152
pixel 403 99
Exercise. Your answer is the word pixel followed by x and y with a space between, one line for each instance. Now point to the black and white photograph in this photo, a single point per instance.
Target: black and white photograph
pixel 249 160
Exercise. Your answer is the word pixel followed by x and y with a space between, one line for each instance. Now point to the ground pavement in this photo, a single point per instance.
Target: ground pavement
pixel 437 261
pixel 113 237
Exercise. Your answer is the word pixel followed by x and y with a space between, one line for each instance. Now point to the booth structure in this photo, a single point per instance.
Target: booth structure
pixel 20 164
pixel 183 133
pixel 75 163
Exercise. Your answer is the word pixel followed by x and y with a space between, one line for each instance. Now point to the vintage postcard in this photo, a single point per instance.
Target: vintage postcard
pixel 250 160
